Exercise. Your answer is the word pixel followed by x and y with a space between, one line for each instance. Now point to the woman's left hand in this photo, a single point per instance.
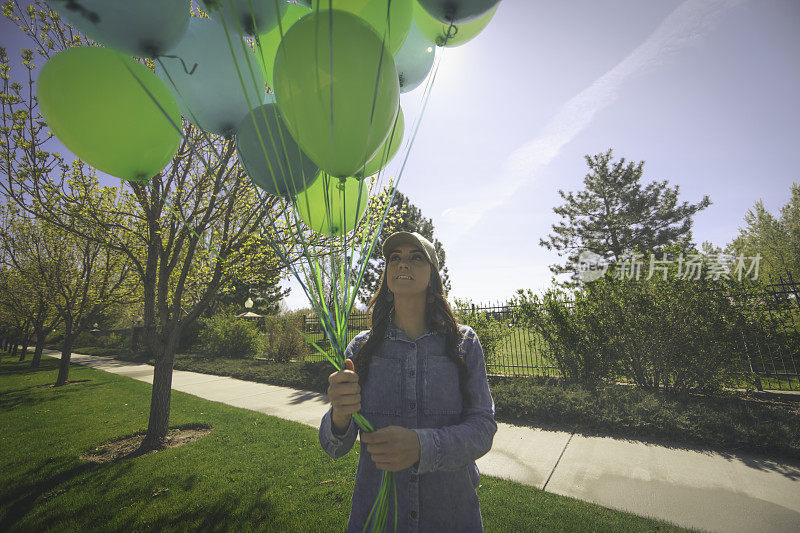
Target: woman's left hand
pixel 392 448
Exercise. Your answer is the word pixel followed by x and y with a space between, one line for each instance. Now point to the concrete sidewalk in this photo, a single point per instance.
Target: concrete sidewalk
pixel 681 484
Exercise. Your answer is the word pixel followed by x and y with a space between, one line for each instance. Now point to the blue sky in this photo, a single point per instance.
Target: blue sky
pixel 704 91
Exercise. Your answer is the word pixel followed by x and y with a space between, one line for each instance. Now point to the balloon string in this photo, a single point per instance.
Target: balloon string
pixel 367 250
pixel 279 163
pixel 282 253
pixel 185 69
pixel 450 32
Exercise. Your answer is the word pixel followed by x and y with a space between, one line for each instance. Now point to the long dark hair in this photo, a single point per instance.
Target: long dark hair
pixel 439 318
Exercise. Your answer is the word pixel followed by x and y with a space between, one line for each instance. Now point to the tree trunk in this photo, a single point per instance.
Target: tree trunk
pixel 14 347
pixel 24 352
pixel 37 353
pixel 66 354
pixel 160 398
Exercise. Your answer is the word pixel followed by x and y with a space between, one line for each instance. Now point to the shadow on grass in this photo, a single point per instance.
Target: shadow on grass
pixel 19 502
pixel 12 399
pixel 217 515
pixel 23 368
pixel 225 508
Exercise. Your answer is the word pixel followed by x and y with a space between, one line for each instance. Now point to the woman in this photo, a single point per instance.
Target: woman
pixel 420 380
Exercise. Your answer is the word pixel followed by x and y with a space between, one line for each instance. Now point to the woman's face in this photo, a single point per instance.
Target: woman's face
pixel 408 261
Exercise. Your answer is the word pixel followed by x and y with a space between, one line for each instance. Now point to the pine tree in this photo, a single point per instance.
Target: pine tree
pixel 614 216
pixel 776 240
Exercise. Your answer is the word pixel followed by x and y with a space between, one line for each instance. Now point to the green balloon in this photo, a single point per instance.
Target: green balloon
pixel 388 150
pixel 332 206
pixel 442 34
pixel 267 43
pixel 392 29
pixel 339 93
pixel 98 109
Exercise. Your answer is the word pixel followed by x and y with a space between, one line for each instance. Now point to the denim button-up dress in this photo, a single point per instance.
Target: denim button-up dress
pixel 412 383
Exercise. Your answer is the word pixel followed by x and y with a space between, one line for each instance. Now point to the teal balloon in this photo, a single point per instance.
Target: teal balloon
pixel 414 60
pixel 337 88
pixel 202 74
pixel 251 16
pixel 270 155
pixel 457 11
pixel 144 28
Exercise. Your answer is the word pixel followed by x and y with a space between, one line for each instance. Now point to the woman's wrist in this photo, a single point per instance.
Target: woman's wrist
pixel 340 423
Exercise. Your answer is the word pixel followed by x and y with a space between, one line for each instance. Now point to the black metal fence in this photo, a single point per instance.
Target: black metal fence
pixel 524 353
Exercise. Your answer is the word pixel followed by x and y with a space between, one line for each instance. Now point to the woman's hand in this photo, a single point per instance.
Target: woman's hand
pixel 345 395
pixel 392 448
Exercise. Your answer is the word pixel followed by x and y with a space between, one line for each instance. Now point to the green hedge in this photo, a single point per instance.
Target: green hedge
pixel 679 334
pixel 224 335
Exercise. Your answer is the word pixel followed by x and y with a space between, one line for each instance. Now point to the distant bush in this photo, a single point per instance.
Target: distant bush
pixel 680 334
pixel 85 338
pixel 190 335
pixel 282 340
pixel 492 332
pixel 224 335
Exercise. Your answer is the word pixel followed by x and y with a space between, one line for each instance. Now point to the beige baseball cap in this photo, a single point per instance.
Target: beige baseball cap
pixel 404 237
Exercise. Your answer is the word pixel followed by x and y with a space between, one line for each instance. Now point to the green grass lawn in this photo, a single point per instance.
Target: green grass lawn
pixel 253 472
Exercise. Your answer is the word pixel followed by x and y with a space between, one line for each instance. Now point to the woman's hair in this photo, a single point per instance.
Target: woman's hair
pixel 439 318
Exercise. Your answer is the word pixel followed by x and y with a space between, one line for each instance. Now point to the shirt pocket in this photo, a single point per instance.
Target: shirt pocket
pixel 441 388
pixel 381 392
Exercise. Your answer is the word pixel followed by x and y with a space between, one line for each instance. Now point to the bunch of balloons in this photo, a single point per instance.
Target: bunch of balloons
pixel 309 89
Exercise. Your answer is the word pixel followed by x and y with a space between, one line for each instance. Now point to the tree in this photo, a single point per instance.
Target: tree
pixel 188 232
pixel 405 217
pixel 21 304
pixel 258 279
pixel 79 276
pixel 185 233
pixel 14 314
pixel 777 240
pixel 613 216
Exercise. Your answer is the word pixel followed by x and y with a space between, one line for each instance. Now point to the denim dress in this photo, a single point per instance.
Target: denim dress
pixel 413 384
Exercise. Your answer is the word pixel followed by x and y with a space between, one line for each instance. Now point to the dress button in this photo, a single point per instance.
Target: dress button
pixel 413 405
pixel 413 514
pixel 413 371
pixel 413 344
pixel 413 477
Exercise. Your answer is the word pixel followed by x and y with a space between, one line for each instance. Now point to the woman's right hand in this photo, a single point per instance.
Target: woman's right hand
pixel 345 395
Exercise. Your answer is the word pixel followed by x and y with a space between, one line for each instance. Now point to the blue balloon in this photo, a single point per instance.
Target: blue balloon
pixel 457 11
pixel 145 28
pixel 202 74
pixel 273 161
pixel 414 60
pixel 254 16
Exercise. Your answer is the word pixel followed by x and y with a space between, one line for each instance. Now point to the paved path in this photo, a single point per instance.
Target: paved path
pixel 680 484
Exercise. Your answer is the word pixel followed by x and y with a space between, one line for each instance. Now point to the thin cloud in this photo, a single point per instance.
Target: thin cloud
pixel 687 24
